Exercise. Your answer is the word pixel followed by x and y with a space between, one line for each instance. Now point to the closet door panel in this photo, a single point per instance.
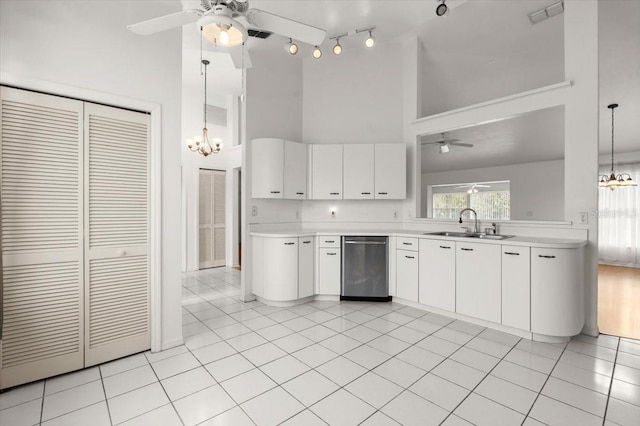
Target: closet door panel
pixel 41 236
pixel 116 245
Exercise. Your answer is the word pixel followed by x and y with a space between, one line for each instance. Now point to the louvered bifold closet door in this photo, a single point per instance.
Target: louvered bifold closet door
pixel 205 219
pixel 41 181
pixel 219 222
pixel 117 233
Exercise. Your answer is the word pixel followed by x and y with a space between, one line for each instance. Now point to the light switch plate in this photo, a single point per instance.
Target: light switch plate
pixel 254 210
pixel 583 218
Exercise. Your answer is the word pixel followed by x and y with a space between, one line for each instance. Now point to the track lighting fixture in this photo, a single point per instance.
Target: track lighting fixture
pixel 317 53
pixel 337 49
pixel 442 9
pixel 291 47
pixel 370 41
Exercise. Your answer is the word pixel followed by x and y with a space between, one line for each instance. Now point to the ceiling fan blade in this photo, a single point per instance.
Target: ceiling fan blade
pixel 483 186
pixel 466 145
pixel 237 57
pixel 286 27
pixel 166 22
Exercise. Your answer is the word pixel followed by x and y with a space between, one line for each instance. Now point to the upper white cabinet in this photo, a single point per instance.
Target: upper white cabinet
pixel 295 170
pixel 279 169
pixel 326 172
pixel 358 171
pixel 478 280
pixel 437 272
pixel 390 179
pixel 267 170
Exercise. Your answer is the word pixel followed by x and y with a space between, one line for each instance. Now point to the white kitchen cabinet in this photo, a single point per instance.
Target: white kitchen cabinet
pixel 326 172
pixel 306 255
pixel 390 171
pixel 295 170
pixel 437 274
pixel 329 271
pixel 358 175
pixel 280 269
pixel 267 169
pixel 557 291
pixel 407 275
pixel 516 287
pixel 478 280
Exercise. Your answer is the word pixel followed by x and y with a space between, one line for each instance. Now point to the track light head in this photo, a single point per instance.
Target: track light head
pixel 370 41
pixel 291 47
pixel 337 49
pixel 442 9
pixel 317 53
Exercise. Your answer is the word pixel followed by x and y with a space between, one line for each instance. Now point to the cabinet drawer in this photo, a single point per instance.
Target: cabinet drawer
pixel 404 243
pixel 330 241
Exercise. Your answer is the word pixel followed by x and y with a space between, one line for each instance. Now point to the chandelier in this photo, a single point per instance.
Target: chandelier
pixel 613 180
pixel 201 144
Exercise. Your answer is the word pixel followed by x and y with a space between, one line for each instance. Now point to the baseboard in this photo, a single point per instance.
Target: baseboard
pixel 172 343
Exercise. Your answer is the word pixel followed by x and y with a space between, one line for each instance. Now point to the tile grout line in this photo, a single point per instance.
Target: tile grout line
pixel 613 371
pixel 104 391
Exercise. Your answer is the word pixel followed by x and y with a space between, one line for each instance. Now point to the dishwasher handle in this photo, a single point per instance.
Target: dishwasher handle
pixel 381 243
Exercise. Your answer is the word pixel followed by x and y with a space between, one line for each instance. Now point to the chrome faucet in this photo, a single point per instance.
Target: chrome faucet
pixel 475 216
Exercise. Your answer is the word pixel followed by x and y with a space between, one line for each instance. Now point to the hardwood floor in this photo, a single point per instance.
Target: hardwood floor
pixel 619 301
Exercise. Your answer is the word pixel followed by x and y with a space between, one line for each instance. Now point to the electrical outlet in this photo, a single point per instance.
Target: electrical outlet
pixel 297 214
pixel 583 218
pixel 254 210
pixel 395 215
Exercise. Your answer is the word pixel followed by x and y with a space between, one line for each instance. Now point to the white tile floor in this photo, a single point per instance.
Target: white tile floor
pixel 340 364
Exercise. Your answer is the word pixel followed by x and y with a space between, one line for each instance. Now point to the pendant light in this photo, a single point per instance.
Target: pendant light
pixel 613 180
pixel 201 144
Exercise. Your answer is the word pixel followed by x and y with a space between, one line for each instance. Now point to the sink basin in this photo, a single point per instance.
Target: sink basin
pixel 468 235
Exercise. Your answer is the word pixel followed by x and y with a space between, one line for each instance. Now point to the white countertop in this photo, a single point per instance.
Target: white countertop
pixel 515 241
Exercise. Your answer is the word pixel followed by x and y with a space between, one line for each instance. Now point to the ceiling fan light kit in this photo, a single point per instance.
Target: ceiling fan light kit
pixel 220 29
pixel 444 148
pixel 615 180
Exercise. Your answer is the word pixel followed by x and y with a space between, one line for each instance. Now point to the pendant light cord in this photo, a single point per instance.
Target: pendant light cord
pixel 204 114
pixel 612 126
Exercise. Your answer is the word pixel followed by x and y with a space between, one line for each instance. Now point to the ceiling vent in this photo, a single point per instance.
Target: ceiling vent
pixel 547 12
pixel 259 33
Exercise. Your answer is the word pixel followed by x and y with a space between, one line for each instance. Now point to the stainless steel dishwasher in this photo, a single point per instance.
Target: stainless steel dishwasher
pixel 365 269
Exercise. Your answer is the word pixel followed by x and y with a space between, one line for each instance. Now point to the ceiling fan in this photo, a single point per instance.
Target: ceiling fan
pixel 472 187
pixel 446 144
pixel 223 23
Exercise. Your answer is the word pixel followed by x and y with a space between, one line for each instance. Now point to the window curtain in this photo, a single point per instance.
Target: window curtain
pixel 619 220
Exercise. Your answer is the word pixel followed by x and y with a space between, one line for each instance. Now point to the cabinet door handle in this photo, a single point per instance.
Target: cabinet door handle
pixel 410 257
pixel 365 193
pixel 329 241
pixel 546 257
pixel 331 254
pixel 466 249
pixel 510 253
pixel 306 242
pixel 334 193
pixel 383 193
pixel 407 244
pixel 275 192
pixel 445 247
pixel 289 244
pixel 299 193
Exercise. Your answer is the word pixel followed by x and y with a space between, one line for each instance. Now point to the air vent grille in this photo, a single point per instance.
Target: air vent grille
pixel 258 33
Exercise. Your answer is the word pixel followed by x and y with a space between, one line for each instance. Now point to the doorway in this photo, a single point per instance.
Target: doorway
pixel 211 218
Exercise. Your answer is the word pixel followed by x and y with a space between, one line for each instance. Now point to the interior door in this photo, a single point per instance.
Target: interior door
pixel 117 238
pixel 41 181
pixel 212 224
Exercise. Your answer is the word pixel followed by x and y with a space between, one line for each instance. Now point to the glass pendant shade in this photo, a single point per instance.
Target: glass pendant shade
pixel 222 30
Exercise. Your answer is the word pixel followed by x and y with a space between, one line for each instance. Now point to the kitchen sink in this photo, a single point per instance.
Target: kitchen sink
pixel 469 235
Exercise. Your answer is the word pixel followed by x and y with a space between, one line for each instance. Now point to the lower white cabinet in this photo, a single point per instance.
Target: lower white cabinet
pixel 407 275
pixel 478 280
pixel 437 273
pixel 283 268
pixel 306 252
pixel 557 291
pixel 516 287
pixel 329 271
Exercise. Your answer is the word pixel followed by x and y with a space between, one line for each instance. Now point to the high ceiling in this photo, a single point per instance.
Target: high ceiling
pixel 505 34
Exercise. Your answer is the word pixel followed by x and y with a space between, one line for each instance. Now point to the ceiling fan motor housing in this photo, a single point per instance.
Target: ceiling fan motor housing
pixel 232 8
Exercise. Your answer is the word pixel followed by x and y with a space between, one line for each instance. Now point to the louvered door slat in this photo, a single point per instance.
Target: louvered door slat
pixel 41 227
pixel 117 214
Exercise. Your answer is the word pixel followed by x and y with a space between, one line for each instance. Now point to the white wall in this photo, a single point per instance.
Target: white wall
pixel 537 189
pixel 86 45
